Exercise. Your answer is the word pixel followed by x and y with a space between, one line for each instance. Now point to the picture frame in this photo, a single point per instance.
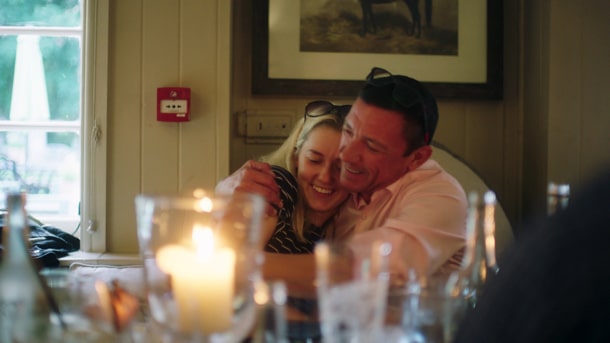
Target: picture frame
pixel 328 85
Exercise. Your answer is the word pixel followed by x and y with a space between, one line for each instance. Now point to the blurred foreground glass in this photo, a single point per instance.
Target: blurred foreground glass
pixel 200 258
pixel 352 291
pixel 558 196
pixel 91 309
pixel 479 263
pixel 270 296
pixel 25 308
pixel 427 309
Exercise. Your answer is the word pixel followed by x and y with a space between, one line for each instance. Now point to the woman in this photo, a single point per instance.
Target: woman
pixel 303 189
pixel 310 154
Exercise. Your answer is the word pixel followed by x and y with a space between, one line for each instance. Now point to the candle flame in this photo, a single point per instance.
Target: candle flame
pixel 204 204
pixel 203 239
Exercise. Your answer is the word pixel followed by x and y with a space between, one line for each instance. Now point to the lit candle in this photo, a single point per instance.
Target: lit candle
pixel 202 282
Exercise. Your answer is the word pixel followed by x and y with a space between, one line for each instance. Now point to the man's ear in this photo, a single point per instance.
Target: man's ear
pixel 419 157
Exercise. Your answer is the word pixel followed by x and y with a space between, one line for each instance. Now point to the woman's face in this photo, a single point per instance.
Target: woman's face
pixel 318 173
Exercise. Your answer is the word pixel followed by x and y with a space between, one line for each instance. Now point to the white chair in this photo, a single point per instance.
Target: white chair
pixel 472 181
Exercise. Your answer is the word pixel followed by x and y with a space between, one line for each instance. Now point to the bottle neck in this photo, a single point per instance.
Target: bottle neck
pixel 14 235
pixel 480 240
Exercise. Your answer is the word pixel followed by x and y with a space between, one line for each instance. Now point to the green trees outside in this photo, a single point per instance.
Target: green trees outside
pixel 61 57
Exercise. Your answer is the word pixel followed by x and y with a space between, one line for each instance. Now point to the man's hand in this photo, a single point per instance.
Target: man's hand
pixel 253 177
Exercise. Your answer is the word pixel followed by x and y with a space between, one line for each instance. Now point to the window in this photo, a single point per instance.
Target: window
pixel 52 91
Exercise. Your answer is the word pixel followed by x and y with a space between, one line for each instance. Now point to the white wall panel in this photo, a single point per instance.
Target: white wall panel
pixel 124 123
pixel 160 68
pixel 165 43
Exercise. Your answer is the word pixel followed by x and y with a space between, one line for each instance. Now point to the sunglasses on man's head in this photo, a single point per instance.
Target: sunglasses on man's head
pixel 319 108
pixel 404 93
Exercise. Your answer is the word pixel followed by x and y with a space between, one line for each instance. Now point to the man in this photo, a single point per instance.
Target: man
pixel 398 195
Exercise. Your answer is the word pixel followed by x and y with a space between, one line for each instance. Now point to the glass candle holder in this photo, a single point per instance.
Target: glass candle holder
pixel 200 258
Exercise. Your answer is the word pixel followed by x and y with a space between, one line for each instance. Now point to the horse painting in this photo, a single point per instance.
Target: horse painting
pixel 368 17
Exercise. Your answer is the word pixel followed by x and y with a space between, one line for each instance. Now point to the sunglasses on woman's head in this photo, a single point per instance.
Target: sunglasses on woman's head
pixel 404 93
pixel 319 108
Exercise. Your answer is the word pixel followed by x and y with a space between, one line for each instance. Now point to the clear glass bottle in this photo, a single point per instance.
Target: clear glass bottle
pixel 270 297
pixel 479 263
pixel 24 309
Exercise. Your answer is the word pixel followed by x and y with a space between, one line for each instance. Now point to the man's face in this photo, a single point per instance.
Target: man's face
pixel 372 149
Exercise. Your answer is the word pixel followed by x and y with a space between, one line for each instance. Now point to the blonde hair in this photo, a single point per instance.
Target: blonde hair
pixel 286 155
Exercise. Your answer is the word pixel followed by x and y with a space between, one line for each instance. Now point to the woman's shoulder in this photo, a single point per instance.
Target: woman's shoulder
pixel 283 173
pixel 288 190
pixel 286 181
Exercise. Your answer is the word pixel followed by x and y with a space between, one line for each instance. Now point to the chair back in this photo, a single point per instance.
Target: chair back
pixel 472 181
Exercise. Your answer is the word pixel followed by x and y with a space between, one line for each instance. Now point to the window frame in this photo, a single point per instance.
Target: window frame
pixel 94 91
pixel 94 119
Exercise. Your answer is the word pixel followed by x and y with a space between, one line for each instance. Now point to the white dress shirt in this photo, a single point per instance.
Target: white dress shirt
pixel 422 214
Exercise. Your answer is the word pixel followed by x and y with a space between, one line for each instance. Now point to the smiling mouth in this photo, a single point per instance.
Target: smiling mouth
pixel 322 190
pixel 351 170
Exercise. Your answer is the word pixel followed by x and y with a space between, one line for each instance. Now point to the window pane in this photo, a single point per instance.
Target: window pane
pixel 47 67
pixel 61 58
pixel 40 106
pixel 60 13
pixel 49 172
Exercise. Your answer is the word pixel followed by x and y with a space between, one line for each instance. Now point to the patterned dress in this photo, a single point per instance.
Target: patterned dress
pixel 284 239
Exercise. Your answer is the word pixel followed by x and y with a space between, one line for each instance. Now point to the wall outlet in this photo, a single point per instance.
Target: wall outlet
pixel 173 106
pixel 271 126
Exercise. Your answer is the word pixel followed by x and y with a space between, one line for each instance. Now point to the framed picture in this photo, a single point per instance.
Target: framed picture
pixel 325 48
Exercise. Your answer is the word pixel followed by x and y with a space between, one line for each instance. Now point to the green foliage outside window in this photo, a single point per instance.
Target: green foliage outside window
pixel 61 57
pixel 63 13
pixel 8 46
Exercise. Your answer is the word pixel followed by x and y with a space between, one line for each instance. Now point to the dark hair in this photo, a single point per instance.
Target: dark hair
pixel 408 97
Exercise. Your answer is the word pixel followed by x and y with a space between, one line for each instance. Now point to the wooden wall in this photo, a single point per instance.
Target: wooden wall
pixel 163 43
pixel 566 82
pixel 550 124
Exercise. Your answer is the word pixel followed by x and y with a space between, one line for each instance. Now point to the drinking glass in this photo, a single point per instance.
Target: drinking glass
pixel 427 309
pixel 200 258
pixel 84 314
pixel 352 291
pixel 270 296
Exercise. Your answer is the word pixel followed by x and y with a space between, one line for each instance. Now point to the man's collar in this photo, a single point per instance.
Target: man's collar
pixel 361 201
